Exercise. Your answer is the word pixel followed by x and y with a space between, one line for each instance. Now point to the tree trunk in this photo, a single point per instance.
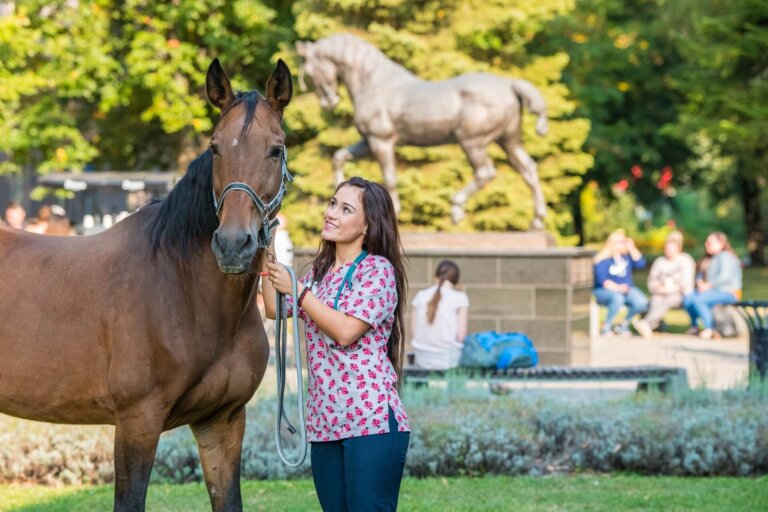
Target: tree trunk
pixel 578 218
pixel 753 219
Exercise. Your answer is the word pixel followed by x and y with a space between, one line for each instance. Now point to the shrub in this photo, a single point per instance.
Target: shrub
pixel 456 431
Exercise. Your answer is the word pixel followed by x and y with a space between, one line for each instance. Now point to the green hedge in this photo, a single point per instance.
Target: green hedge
pixel 457 432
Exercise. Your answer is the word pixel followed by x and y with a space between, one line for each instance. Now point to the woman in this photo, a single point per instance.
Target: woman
pixel 719 283
pixel 614 286
pixel 439 320
pixel 351 303
pixel 671 278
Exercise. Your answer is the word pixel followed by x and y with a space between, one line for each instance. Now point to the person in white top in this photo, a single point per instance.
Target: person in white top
pixel 439 320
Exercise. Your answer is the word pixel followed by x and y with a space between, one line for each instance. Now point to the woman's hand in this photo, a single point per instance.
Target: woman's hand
pixel 279 277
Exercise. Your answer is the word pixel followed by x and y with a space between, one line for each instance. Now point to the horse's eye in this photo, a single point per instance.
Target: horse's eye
pixel 277 152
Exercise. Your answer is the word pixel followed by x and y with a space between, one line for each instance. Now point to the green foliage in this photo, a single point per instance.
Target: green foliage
pixel 439 40
pixel 458 432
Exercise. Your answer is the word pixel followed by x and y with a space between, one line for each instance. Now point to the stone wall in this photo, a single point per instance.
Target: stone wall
pixel 544 293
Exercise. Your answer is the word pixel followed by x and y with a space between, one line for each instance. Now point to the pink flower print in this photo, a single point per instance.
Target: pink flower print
pixel 350 416
pixel 332 383
pixel 371 374
pixel 332 398
pixel 381 397
pixel 311 345
pixel 378 411
pixel 358 411
pixel 368 405
pixel 366 313
pixel 364 432
pixel 321 355
pixel 367 351
pixel 381 302
pixel 316 367
pixel 337 435
pixel 368 284
pixel 362 422
pixel 382 282
pixel 347 427
pixel 379 368
pixel 342 366
pixel 364 395
pixel 375 386
pixel 361 384
pixel 335 421
pixel 328 372
pixel 354 367
pixel 371 304
pixel 320 380
pixel 329 409
pixel 354 357
pixel 376 422
pixel 365 362
pixel 350 401
pixel 358 302
pixel 345 378
pixel 343 390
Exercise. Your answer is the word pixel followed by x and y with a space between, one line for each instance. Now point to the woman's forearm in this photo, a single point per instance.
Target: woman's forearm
pixel 342 328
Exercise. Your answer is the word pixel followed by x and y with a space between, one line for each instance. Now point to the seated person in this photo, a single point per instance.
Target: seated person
pixel 671 278
pixel 439 320
pixel 719 282
pixel 614 286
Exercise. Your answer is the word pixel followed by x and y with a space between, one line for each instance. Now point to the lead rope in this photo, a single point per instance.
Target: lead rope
pixel 281 347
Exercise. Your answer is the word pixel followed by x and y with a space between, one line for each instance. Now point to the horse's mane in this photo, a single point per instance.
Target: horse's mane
pixel 357 53
pixel 187 217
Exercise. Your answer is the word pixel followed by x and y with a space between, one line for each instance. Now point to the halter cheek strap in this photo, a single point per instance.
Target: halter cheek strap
pixel 265 209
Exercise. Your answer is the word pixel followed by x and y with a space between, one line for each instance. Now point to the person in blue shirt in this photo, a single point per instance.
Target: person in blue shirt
pixel 719 282
pixel 614 286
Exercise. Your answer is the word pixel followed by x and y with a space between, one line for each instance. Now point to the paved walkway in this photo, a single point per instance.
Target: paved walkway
pixel 714 364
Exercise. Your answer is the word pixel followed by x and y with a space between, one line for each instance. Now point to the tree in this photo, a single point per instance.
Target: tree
pixel 621 65
pixel 439 39
pixel 723 79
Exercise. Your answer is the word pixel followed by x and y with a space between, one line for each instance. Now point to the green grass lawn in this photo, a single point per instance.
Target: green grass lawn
pixel 551 494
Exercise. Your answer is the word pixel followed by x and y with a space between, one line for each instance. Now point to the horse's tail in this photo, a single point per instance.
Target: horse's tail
pixel 532 99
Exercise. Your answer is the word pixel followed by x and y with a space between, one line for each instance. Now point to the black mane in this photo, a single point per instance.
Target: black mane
pixel 187 216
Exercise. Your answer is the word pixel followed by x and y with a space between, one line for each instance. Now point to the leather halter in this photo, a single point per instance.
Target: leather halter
pixel 265 209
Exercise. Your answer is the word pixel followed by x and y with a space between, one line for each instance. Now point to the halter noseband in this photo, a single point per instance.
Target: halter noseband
pixel 265 209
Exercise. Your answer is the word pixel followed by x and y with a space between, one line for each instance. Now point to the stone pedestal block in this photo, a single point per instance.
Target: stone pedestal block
pixel 515 282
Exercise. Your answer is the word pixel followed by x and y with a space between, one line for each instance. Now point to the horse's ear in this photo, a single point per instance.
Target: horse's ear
pixel 218 87
pixel 279 86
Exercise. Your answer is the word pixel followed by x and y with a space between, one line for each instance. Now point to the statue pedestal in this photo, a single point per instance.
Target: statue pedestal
pixel 515 282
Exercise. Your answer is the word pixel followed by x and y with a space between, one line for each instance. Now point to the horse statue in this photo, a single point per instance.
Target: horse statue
pixel 395 107
pixel 153 324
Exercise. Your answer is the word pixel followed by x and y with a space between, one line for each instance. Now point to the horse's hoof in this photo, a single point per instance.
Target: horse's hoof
pixel 537 224
pixel 457 214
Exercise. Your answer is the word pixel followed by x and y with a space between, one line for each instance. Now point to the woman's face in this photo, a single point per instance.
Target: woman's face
pixel 713 245
pixel 345 217
pixel 671 249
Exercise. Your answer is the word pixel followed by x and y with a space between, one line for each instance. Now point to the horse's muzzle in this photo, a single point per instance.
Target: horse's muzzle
pixel 234 250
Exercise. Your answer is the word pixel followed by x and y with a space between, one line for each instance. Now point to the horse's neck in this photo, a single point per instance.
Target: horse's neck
pixel 366 69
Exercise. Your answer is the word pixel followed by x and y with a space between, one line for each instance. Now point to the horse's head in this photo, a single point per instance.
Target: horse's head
pixel 249 165
pixel 322 73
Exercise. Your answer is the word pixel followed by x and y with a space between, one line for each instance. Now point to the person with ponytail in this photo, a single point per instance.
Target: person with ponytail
pixel 351 302
pixel 439 320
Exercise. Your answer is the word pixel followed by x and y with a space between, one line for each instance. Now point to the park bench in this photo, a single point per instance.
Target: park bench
pixel 661 378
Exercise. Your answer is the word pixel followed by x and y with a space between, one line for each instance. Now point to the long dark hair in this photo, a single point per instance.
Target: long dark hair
pixel 382 239
pixel 446 271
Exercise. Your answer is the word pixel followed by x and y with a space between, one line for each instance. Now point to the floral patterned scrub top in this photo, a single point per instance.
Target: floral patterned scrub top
pixel 351 387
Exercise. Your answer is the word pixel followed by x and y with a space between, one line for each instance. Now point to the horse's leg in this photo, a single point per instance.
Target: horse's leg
pixel 220 441
pixel 359 149
pixel 384 152
pixel 137 431
pixel 526 166
pixel 484 171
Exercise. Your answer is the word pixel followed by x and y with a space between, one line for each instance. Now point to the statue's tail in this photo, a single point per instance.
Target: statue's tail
pixel 532 100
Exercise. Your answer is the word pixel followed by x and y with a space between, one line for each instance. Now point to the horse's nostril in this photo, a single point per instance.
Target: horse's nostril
pixel 248 243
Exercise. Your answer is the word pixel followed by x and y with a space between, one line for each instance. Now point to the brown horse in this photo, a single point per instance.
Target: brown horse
pixel 143 326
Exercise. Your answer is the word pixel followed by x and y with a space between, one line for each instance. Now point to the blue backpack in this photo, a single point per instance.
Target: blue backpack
pixel 490 349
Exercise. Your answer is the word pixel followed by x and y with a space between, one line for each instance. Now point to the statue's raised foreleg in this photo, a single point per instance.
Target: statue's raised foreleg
pixel 484 171
pixel 384 152
pixel 359 149
pixel 526 166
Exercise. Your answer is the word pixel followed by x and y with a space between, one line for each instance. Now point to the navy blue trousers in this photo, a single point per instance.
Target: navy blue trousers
pixel 360 474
